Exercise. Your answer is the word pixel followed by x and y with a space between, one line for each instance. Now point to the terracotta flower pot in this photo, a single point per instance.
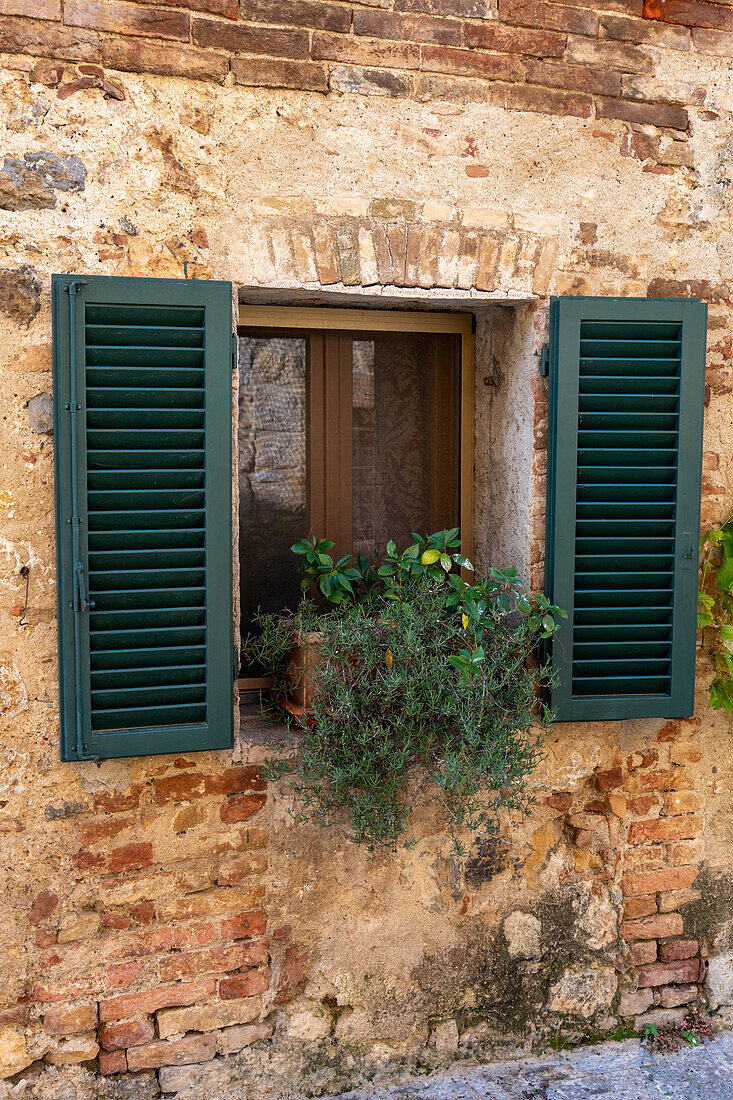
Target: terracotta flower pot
pixel 304 656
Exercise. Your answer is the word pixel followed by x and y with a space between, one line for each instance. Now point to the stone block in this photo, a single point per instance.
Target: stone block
pixel 180 1052
pixel 232 1039
pixel 73 1050
pixel 14 1055
pixel 719 983
pixel 675 995
pixel 632 1004
pixel 523 934
pixel 583 992
pixel 177 1021
pixel 40 413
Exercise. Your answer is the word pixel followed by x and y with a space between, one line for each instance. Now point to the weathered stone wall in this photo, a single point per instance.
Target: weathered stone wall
pixel 159 914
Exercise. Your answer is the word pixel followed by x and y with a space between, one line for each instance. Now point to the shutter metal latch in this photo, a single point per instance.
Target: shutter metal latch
pixel 84 603
pixel 689 546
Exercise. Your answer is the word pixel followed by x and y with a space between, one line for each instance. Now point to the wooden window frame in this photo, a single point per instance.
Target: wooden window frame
pixel 315 319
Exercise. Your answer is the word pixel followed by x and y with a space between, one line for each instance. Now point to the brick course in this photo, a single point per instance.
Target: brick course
pixel 321 46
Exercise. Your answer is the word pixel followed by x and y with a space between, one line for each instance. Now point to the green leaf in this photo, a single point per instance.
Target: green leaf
pixel 446 562
pixel 429 557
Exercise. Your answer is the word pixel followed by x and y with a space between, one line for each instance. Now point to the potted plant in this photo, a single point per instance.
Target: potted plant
pixel 410 671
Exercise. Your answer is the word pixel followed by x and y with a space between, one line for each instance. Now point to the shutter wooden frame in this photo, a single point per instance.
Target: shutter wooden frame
pixel 567 315
pixel 210 393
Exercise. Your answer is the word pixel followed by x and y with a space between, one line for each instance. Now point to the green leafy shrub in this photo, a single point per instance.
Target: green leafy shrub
pixel 715 611
pixel 425 682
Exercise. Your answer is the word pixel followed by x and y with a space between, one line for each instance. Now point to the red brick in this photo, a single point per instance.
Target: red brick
pixel 665 780
pixel 676 950
pixel 241 807
pixel 112 1061
pixel 55 993
pixel 378 23
pixel 472 9
pixel 244 926
pixel 643 803
pixel 675 995
pixel 545 100
pixel 561 802
pixel 44 904
pixel 257 72
pixel 607 780
pixel 44 937
pixel 444 59
pixel 243 38
pixel 244 985
pixel 299 13
pixel 668 828
pixel 640 31
pixel 639 907
pixel 365 51
pixel 213 961
pixel 88 861
pixel 184 788
pixel 681 802
pixel 38 9
pixel 130 857
pixel 138 56
pixel 116 920
pixel 200 934
pixel 497 36
pixel 126 19
pixel 121 975
pixel 631 1004
pixel 208 903
pixel 652 928
pixel 606 54
pixel 115 802
pixel 90 832
pixel 143 912
pixel 651 114
pixel 48 40
pixel 167 996
pixel 138 944
pixel 651 882
pixel 69 1019
pixel 667 973
pixel 172 1052
pixel 292 975
pixel 556 17
pixel 646 858
pixel 229 9
pixel 577 78
pixel 685 851
pixel 689 13
pixel 129 1033
pixel 645 951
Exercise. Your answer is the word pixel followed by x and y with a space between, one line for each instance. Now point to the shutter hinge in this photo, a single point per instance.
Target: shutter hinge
pixel 545 360
pixel 234 352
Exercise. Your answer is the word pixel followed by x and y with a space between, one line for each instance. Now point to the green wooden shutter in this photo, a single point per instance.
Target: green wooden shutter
pixel 142 396
pixel 627 380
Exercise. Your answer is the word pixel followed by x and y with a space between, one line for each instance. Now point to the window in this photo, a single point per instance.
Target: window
pixel 352 432
pixel 360 425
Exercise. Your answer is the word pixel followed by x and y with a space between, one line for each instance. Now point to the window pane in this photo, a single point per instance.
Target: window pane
pixel 406 446
pixel 272 474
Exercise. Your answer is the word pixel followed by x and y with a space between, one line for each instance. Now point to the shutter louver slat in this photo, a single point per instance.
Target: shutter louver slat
pixel 626 398
pixel 153 468
pixel 132 503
